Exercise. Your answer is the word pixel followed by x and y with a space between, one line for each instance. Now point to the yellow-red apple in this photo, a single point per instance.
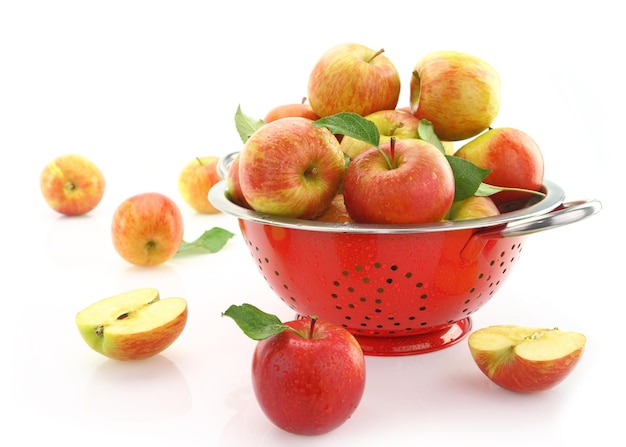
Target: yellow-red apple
pixel 351 77
pixel 72 184
pixel 514 158
pixel 133 325
pixel 302 109
pixel 147 229
pixel 290 168
pixel 195 180
pixel 457 92
pixel 526 359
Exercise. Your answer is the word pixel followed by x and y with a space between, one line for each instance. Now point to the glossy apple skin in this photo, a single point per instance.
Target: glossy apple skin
pixel 72 184
pixel 508 368
pixel 147 229
pixel 351 77
pixel 290 168
pixel 474 207
pixel 390 123
pixel 195 181
pixel 309 385
pixel 285 110
pixel 514 158
pixel 419 190
pixel 457 92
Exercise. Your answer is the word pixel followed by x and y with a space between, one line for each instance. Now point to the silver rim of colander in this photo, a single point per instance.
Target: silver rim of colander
pixel 554 197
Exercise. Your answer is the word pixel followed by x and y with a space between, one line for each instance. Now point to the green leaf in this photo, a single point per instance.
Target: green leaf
pixel 426 132
pixel 255 323
pixel 467 177
pixel 246 125
pixel 211 240
pixel 352 125
pixel 485 189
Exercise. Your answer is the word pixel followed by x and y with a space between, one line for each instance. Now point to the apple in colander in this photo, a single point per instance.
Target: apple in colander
pixel 308 375
pixel 407 181
pixel 526 359
pixel 290 168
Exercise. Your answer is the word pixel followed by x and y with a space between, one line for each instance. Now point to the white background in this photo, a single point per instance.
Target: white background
pixel 142 87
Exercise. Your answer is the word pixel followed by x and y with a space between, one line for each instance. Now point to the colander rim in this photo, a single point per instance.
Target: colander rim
pixel 554 197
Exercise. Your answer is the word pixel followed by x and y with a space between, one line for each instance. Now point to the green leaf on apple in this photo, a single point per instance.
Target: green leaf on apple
pixel 352 125
pixel 246 125
pixel 426 132
pixel 467 177
pixel 212 240
pixel 255 323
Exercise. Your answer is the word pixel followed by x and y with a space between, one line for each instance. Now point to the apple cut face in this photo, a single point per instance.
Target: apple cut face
pixel 133 325
pixel 526 359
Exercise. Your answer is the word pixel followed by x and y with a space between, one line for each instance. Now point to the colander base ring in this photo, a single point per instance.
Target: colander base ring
pixel 415 344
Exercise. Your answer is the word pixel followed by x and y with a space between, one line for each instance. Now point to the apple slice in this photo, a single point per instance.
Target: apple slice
pixel 133 325
pixel 526 359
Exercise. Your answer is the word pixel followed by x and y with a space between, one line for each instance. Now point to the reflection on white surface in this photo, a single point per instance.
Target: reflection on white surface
pixel 150 390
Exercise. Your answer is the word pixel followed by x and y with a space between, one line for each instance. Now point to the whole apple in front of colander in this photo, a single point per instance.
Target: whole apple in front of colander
pixel 408 181
pixel 308 375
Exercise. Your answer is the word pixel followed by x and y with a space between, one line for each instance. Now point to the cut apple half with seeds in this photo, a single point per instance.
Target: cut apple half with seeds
pixel 526 359
pixel 133 325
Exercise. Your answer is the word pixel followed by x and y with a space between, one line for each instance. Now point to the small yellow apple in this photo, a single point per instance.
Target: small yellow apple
pixel 133 325
pixel 195 180
pixel 72 184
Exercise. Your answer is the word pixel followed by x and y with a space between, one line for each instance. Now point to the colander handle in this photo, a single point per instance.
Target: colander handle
pixel 224 164
pixel 565 214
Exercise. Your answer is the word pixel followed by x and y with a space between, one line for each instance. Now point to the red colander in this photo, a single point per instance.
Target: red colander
pixel 400 289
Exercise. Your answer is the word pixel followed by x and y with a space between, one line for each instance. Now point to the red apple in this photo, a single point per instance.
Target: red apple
pixel 291 168
pixel 353 78
pixel 412 184
pixel 474 207
pixel 302 109
pixel 72 184
pixel 308 375
pixel 195 180
pixel 526 359
pixel 147 229
pixel 513 157
pixel 457 92
pixel 390 123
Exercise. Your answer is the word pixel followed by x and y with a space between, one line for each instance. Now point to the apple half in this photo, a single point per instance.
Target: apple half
pixel 133 325
pixel 526 359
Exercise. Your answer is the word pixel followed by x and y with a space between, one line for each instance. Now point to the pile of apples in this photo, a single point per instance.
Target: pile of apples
pixel 352 155
pixel 314 161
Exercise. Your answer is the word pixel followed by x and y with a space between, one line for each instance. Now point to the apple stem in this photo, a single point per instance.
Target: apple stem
pixel 379 52
pixel 392 150
pixel 199 161
pixel 313 320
